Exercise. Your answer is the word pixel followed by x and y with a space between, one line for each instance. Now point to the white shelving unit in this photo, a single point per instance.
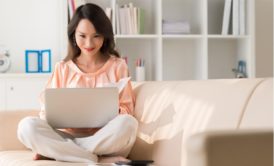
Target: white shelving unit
pixel 21 91
pixel 202 54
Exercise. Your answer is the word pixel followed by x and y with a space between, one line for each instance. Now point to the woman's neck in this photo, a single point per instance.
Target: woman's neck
pixel 90 60
pixel 90 64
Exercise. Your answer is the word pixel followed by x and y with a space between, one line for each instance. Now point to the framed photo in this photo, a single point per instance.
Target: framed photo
pixel 45 61
pixel 32 61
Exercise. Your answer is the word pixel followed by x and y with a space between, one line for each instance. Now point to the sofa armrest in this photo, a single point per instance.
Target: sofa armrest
pixel 8 128
pixel 227 148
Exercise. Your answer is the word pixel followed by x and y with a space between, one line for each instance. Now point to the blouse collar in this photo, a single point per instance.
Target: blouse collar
pixel 100 70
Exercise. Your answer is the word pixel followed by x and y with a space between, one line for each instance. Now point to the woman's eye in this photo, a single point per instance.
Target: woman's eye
pixel 82 36
pixel 96 36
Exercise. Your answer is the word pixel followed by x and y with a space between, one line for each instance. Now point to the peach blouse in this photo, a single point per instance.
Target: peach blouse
pixel 68 75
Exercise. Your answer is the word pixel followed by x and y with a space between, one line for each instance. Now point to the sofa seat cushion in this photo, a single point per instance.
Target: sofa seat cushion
pixel 24 158
pixel 8 128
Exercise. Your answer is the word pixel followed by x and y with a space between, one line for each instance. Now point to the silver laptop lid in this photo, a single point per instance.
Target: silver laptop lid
pixel 81 107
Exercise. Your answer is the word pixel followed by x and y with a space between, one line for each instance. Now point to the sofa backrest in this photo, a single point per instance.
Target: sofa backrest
pixel 170 112
pixel 259 110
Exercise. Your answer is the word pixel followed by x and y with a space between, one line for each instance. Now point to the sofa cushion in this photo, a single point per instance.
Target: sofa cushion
pixel 231 148
pixel 24 158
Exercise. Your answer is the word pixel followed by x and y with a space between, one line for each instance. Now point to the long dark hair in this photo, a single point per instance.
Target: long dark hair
pixel 102 24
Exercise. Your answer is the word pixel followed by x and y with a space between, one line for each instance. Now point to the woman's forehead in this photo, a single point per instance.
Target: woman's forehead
pixel 85 26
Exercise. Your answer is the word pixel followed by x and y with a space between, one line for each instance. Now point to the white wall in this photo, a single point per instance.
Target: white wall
pixel 30 24
pixel 39 24
pixel 264 38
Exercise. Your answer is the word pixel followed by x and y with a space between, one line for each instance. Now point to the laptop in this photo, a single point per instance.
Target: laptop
pixel 81 107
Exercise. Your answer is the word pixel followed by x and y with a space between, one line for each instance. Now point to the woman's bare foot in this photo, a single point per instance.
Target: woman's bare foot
pixel 111 159
pixel 40 157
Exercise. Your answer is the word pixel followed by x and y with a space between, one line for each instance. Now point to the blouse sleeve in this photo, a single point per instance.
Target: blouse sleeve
pixel 126 96
pixel 53 82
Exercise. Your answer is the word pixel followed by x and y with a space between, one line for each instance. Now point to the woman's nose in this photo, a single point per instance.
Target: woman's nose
pixel 89 43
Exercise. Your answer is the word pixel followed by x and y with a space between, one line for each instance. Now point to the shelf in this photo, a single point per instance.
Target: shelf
pixel 150 13
pixel 136 36
pixel 185 10
pixel 204 53
pixel 103 4
pixel 222 58
pixel 25 75
pixel 164 36
pixel 215 16
pixel 135 48
pixel 181 36
pixel 228 37
pixel 182 59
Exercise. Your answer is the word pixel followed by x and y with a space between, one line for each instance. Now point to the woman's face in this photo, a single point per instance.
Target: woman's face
pixel 87 39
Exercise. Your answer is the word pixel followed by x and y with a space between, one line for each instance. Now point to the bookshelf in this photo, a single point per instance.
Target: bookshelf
pixel 204 53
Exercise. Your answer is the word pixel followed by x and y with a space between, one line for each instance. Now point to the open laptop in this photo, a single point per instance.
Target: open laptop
pixel 81 107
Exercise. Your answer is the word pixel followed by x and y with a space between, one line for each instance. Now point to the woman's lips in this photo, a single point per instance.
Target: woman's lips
pixel 89 49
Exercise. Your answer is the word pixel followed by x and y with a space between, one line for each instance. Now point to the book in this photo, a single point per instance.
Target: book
pixel 135 25
pixel 235 17
pixel 128 19
pixel 131 18
pixel 79 3
pixel 175 27
pixel 140 20
pixel 118 30
pixel 122 14
pixel 226 17
pixel 242 10
pixel 108 12
pixel 70 9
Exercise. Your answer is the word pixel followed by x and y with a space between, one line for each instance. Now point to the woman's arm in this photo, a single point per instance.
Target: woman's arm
pixel 53 82
pixel 126 97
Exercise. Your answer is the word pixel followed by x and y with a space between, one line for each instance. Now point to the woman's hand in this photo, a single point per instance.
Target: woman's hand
pixel 84 131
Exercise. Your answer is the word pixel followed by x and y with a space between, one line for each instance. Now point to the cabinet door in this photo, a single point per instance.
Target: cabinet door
pixel 23 93
pixel 2 94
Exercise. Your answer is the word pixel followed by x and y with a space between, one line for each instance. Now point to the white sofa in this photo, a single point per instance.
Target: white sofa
pixel 226 122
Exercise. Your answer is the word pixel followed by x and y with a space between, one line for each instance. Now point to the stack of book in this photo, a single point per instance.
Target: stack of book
pixel 129 19
pixel 234 12
pixel 176 27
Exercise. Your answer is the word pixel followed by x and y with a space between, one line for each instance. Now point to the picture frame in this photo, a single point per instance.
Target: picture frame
pixel 38 61
pixel 45 61
pixel 32 61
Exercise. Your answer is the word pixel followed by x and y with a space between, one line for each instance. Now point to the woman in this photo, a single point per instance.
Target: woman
pixel 91 62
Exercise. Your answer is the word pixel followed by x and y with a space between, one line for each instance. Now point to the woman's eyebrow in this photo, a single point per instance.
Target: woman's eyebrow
pixel 85 33
pixel 80 32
